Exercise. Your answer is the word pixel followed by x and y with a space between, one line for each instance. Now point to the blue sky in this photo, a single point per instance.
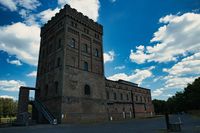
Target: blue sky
pixel 155 43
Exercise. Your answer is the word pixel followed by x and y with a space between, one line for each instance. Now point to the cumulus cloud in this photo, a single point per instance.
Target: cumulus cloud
pixel 14 62
pixel 46 15
pixel 13 5
pixel 32 74
pixel 120 67
pixel 22 41
pixel 11 85
pixel 157 92
pixel 137 76
pixel 183 72
pixel 109 56
pixel 10 4
pixel 87 7
pixel 178 82
pixel 28 4
pixel 139 56
pixel 178 36
pixel 189 65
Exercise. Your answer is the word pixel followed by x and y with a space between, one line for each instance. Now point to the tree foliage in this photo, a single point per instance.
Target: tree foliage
pixel 8 107
pixel 189 99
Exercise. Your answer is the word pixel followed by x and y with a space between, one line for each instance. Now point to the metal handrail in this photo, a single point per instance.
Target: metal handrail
pixel 44 110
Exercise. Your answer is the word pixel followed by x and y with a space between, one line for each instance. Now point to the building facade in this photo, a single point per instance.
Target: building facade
pixel 70 78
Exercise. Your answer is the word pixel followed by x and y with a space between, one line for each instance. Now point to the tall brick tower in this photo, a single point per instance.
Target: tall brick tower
pixel 70 78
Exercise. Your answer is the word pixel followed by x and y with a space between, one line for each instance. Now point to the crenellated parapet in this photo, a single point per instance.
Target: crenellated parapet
pixel 72 13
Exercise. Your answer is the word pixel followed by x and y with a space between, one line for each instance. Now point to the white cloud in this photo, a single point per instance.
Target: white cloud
pixel 13 5
pixel 183 72
pixel 119 67
pixel 22 41
pixel 178 36
pixel 10 4
pixel 6 96
pixel 29 4
pixel 46 15
pixel 11 85
pixel 189 65
pixel 139 56
pixel 137 76
pixel 32 74
pixel 157 92
pixel 109 56
pixel 14 62
pixel 87 7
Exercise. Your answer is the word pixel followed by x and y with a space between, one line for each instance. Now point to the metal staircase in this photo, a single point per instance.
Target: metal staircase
pixel 43 109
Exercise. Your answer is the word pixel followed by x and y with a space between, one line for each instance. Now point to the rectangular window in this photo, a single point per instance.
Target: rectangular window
pixel 121 95
pixel 85 66
pixel 136 98
pixel 107 95
pixel 58 62
pixel 86 30
pixel 127 97
pixel 56 87
pixel 140 98
pixel 59 42
pixel 72 43
pixel 115 96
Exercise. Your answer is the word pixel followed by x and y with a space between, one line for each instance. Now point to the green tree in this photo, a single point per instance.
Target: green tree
pixel 159 106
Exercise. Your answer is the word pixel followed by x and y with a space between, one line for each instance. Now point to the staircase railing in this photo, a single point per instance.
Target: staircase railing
pixel 44 110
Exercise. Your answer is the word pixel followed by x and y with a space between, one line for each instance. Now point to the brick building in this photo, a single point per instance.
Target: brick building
pixel 70 79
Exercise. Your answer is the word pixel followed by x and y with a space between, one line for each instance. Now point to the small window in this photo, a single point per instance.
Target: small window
pixel 73 24
pixel 46 90
pixel 121 95
pixel 107 95
pixel 127 97
pixel 136 98
pixel 72 43
pixel 58 62
pixel 86 30
pixel 115 96
pixel 96 53
pixel 59 42
pixel 140 98
pixel 85 48
pixel 85 66
pixel 87 90
pixel 56 87
pixel 96 35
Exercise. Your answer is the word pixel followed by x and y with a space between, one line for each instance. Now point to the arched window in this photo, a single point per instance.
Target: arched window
pixel 85 48
pixel 72 43
pixel 85 66
pixel 87 90
pixel 96 53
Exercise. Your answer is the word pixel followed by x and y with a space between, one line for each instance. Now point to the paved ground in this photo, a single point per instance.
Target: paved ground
pixel 153 125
